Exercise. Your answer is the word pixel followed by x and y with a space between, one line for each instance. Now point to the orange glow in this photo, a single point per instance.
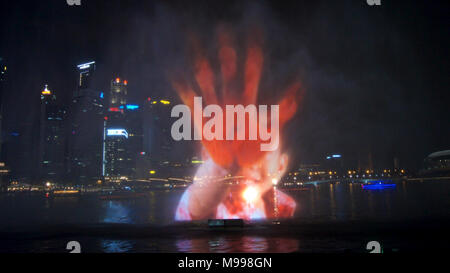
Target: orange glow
pixel 125 82
pixel 237 152
pixel 261 198
pixel 46 91
pixel 66 192
pixel 118 80
pixel 250 194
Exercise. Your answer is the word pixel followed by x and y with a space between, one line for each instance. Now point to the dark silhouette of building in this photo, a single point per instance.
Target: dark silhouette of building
pixel 436 164
pixel 86 130
pixel 3 170
pixel 335 164
pixel 166 156
pixel 52 141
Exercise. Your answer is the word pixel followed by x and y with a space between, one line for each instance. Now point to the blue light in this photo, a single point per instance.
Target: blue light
pixel 101 95
pixel 85 65
pixel 117 132
pixel 379 186
pixel 132 107
pixel 334 156
pixel 121 107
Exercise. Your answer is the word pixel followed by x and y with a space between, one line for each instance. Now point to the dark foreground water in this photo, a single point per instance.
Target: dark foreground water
pixel 338 217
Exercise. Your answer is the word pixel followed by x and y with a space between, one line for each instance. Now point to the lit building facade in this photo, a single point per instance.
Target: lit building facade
pixel 117 157
pixel 123 135
pixel 119 92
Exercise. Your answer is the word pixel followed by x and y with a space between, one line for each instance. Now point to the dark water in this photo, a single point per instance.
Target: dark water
pixel 329 218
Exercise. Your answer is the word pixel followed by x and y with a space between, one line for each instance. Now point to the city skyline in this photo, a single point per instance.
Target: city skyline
pixel 113 106
pixel 225 126
pixel 350 112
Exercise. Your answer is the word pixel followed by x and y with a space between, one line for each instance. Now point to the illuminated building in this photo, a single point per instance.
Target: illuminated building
pixel 117 160
pixel 51 138
pixel 86 130
pixel 86 71
pixel 119 91
pixel 436 164
pixel 123 136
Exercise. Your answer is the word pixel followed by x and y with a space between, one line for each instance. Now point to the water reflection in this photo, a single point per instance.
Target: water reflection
pixel 116 212
pixel 322 203
pixel 116 246
pixel 332 202
pixel 243 244
pixel 352 202
pixel 343 201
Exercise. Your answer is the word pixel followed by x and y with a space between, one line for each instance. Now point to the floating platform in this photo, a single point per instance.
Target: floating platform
pixel 217 223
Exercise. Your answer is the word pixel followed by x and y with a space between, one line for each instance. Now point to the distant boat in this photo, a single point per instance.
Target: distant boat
pixel 218 223
pixel 64 193
pixel 378 186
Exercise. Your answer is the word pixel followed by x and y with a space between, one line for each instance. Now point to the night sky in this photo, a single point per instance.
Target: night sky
pixel 376 78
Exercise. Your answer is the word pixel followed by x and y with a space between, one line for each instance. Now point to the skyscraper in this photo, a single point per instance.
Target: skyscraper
pixel 3 170
pixel 3 71
pixel 86 134
pixel 51 138
pixel 158 139
pixel 117 158
pixel 163 152
pixel 119 92
pixel 122 135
